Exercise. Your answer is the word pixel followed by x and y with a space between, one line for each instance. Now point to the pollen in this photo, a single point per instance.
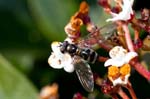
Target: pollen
pixel 125 69
pixel 113 71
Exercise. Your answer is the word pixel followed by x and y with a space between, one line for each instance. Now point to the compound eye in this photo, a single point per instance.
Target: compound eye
pixel 71 48
pixel 62 48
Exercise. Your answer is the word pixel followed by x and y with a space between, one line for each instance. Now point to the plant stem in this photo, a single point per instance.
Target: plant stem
pixel 141 70
pixel 105 45
pixel 123 94
pixel 102 59
pixel 114 96
pixel 128 37
pixel 131 91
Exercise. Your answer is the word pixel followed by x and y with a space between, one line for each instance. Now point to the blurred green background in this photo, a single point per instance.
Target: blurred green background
pixel 27 28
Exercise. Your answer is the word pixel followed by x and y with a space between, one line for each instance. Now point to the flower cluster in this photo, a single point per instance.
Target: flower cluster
pixel 123 55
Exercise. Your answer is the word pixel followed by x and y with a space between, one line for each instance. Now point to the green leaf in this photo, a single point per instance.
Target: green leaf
pixel 52 16
pixel 13 84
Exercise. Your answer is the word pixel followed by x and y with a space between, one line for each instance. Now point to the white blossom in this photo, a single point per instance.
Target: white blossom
pixel 119 56
pixel 126 12
pixel 60 60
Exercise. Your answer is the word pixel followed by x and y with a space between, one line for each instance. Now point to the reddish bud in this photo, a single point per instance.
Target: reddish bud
pixel 138 44
pixel 147 28
pixel 77 96
pixel 86 19
pixel 145 14
pixel 104 3
pixel 115 9
pixel 107 87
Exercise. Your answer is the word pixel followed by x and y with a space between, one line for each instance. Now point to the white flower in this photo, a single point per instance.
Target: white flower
pixel 60 60
pixel 126 12
pixel 119 68
pixel 119 56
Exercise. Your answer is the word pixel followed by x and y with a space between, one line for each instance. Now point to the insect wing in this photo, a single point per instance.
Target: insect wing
pixel 101 34
pixel 107 31
pixel 84 73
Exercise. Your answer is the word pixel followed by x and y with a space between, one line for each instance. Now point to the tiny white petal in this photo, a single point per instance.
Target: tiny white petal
pixel 114 62
pixel 120 81
pixel 131 1
pixel 54 61
pixel 67 63
pixel 119 56
pixel 56 49
pixel 129 56
pixel 69 68
pixel 126 78
pixel 117 52
pixel 126 12
pixel 117 81
pixel 114 14
pixel 108 62
pixel 67 60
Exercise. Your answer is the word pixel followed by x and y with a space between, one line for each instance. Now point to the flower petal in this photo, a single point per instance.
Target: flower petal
pixel 54 62
pixel 114 62
pixel 120 81
pixel 108 62
pixel 56 49
pixel 69 68
pixel 126 12
pixel 117 81
pixel 67 63
pixel 129 56
pixel 117 52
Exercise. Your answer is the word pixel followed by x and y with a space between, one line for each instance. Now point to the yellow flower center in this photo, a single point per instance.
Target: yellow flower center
pixel 125 69
pixel 115 72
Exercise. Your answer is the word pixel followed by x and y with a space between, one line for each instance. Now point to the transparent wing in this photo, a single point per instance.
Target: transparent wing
pixel 84 73
pixel 108 30
pixel 100 35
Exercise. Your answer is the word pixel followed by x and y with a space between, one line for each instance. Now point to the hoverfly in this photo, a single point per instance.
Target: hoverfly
pixel 82 54
pixel 71 56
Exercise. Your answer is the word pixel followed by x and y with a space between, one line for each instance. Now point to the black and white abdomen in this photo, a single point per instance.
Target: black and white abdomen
pixel 88 55
pixel 85 53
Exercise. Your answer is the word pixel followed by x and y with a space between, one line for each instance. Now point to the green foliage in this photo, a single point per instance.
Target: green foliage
pixel 13 84
pixel 52 16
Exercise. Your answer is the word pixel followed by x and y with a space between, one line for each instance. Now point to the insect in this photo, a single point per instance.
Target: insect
pixel 86 53
pixel 80 58
pixel 80 55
